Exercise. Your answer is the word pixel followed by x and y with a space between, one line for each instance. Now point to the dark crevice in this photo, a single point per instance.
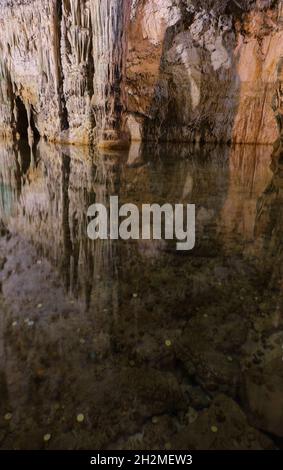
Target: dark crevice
pixel 22 123
pixel 34 128
pixel 64 119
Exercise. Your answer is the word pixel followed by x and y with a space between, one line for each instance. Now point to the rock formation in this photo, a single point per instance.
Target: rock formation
pixel 62 62
pixel 204 70
pixel 109 70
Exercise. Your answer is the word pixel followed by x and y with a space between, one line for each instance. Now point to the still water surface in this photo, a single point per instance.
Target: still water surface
pixel 144 341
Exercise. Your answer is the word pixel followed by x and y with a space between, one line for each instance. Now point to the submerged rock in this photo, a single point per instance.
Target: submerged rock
pixel 223 426
pixel 263 391
pixel 199 347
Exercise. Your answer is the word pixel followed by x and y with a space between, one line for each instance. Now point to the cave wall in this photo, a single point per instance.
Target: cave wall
pixel 204 70
pixel 105 71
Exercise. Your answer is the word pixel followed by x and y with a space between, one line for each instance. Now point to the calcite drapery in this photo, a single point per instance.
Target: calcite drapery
pixel 66 59
pixel 110 19
pixel 95 71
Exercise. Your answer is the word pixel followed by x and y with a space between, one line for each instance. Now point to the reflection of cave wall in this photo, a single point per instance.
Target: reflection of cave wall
pixel 269 223
pixel 249 176
pixel 49 208
pixel 269 215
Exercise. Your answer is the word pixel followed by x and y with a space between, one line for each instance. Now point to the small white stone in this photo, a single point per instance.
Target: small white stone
pixel 80 418
pixel 8 416
pixel 214 429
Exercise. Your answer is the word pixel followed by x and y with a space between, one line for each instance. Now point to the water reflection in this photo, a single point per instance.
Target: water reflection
pixel 130 330
pixel 47 202
pixel 269 219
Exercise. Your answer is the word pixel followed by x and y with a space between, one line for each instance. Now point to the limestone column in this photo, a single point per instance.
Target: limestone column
pixel 110 20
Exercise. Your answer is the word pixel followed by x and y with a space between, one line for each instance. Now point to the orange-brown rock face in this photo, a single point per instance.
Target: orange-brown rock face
pixel 198 72
pixel 102 71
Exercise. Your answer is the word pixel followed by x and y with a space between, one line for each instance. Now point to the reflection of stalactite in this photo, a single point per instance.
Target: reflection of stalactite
pixel 88 269
pixel 67 244
pixel 103 255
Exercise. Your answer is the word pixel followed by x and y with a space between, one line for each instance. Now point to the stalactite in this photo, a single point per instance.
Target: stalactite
pixel 56 11
pixel 109 20
pixel 67 59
